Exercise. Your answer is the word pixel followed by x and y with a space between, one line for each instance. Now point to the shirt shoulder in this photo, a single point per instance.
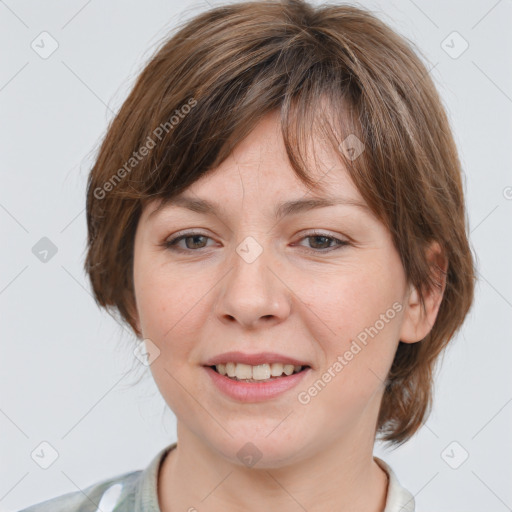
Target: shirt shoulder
pixel 398 499
pixel 134 491
pixel 119 492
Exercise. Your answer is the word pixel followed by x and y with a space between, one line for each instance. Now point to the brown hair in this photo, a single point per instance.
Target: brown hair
pixel 207 86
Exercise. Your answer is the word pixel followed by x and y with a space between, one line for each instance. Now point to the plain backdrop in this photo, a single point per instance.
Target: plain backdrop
pixel 68 376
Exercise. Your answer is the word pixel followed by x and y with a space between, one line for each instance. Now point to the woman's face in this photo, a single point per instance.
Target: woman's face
pixel 251 282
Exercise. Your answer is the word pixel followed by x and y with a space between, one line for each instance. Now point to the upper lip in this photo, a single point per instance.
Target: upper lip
pixel 253 359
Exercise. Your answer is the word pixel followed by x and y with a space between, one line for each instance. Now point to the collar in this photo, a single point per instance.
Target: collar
pixel 398 498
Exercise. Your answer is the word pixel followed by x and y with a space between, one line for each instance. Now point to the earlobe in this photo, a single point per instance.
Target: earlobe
pixel 418 320
pixel 412 315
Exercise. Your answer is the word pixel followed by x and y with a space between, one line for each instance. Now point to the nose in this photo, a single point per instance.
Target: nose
pixel 254 293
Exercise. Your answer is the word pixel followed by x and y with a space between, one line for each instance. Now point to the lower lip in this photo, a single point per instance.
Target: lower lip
pixel 255 391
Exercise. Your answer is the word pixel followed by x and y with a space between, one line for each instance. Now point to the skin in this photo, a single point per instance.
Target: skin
pixel 298 298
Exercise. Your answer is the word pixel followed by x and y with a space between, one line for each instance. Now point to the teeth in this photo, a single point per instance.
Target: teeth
pixel 243 371
pixel 260 372
pixel 230 369
pixel 276 369
pixel 265 371
pixel 288 369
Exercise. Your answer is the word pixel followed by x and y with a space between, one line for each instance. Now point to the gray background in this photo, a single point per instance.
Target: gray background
pixel 68 375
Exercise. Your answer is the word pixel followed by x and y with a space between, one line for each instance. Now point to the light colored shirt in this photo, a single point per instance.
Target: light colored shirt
pixel 136 491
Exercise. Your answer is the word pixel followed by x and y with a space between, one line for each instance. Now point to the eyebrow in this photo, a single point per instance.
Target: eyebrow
pixel 282 210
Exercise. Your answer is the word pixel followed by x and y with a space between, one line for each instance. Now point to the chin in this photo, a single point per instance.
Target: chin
pixel 261 450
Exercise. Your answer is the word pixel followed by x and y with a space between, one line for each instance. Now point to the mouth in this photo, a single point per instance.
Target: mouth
pixel 260 373
pixel 251 384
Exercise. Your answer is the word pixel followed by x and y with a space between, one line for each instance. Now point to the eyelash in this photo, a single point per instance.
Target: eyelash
pixel 172 243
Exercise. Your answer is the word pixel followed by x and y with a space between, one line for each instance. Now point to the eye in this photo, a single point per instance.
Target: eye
pixel 322 242
pixel 198 241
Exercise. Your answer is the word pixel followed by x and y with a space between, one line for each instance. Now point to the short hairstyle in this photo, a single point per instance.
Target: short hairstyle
pixel 339 66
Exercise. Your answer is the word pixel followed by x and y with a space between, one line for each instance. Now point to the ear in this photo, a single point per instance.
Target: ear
pixel 418 322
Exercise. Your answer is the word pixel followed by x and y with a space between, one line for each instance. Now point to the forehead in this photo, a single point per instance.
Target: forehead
pixel 228 189
pixel 258 172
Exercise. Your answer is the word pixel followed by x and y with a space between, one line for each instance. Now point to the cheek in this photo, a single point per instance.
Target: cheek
pixel 352 297
pixel 360 313
pixel 170 311
pixel 167 299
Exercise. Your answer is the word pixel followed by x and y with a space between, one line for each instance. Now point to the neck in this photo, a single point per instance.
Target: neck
pixel 342 476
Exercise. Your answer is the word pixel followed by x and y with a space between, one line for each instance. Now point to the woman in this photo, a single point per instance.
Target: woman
pixel 277 212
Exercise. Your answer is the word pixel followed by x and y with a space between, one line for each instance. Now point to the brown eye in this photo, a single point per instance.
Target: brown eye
pixel 193 242
pixel 321 242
